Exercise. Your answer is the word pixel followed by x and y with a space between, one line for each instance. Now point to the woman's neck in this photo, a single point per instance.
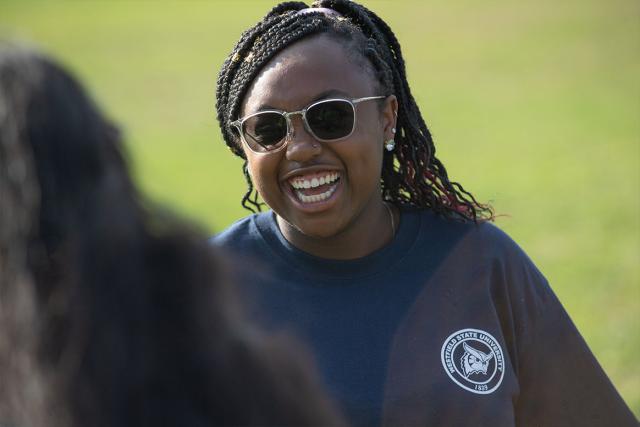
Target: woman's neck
pixel 367 233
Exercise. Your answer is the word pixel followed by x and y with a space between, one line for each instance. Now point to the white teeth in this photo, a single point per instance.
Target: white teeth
pixel 316 198
pixel 299 183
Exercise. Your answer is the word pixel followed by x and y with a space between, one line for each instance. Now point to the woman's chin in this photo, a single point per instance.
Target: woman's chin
pixel 317 228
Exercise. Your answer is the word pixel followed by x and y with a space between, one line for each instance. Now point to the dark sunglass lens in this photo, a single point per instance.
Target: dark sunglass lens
pixel 331 120
pixel 265 131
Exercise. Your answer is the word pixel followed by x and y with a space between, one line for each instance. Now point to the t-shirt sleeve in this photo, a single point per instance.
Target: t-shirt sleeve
pixel 561 382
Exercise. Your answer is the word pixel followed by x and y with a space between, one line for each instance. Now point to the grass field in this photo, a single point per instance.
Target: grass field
pixel 535 106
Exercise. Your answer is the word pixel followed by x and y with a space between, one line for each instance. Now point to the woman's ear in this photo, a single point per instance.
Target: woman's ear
pixel 390 117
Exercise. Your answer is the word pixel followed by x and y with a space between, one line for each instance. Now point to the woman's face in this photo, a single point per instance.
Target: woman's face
pixel 311 70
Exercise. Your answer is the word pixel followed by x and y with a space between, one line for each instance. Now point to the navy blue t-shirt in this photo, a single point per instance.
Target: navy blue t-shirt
pixel 450 324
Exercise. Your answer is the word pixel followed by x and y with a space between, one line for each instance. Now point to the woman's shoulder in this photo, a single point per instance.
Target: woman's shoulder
pixel 242 232
pixel 467 244
pixel 492 237
pixel 483 235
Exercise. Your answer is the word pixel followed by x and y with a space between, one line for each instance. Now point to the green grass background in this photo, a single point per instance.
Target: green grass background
pixel 534 105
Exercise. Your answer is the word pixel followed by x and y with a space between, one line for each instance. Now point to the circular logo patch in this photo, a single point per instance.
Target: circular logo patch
pixel 473 359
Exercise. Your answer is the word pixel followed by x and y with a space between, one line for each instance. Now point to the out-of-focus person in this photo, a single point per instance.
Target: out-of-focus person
pixel 112 314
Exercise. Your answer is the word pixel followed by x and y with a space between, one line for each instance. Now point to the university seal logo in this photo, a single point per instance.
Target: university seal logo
pixel 474 360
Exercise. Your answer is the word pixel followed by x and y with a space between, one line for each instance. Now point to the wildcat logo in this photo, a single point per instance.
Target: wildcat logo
pixel 474 360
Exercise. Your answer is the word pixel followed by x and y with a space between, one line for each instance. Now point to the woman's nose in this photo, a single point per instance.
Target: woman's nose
pixel 301 145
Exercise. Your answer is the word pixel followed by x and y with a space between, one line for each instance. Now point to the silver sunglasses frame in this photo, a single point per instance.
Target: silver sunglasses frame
pixel 287 115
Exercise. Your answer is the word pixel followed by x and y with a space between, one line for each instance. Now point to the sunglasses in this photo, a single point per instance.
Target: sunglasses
pixel 327 120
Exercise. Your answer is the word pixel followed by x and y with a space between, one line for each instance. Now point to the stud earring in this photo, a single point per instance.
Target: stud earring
pixel 390 145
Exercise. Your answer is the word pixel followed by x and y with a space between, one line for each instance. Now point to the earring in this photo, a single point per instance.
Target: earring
pixel 390 145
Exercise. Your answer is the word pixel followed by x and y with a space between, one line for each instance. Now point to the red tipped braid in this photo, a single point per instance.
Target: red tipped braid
pixel 418 178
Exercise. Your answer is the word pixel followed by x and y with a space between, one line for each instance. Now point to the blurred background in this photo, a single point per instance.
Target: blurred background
pixel 534 106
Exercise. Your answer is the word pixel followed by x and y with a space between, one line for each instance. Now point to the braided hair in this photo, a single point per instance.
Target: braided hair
pixel 411 174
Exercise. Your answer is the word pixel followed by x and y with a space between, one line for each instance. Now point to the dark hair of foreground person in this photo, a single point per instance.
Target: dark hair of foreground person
pixel 112 314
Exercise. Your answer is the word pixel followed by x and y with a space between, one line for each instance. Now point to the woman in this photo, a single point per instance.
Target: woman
pixel 418 310
pixel 111 315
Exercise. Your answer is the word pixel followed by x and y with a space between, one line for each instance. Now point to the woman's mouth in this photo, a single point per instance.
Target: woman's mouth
pixel 314 188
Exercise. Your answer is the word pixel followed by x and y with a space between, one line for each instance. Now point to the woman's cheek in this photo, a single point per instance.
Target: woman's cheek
pixel 264 176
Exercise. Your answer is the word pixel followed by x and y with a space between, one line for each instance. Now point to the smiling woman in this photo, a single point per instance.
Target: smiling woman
pixel 350 203
pixel 413 303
